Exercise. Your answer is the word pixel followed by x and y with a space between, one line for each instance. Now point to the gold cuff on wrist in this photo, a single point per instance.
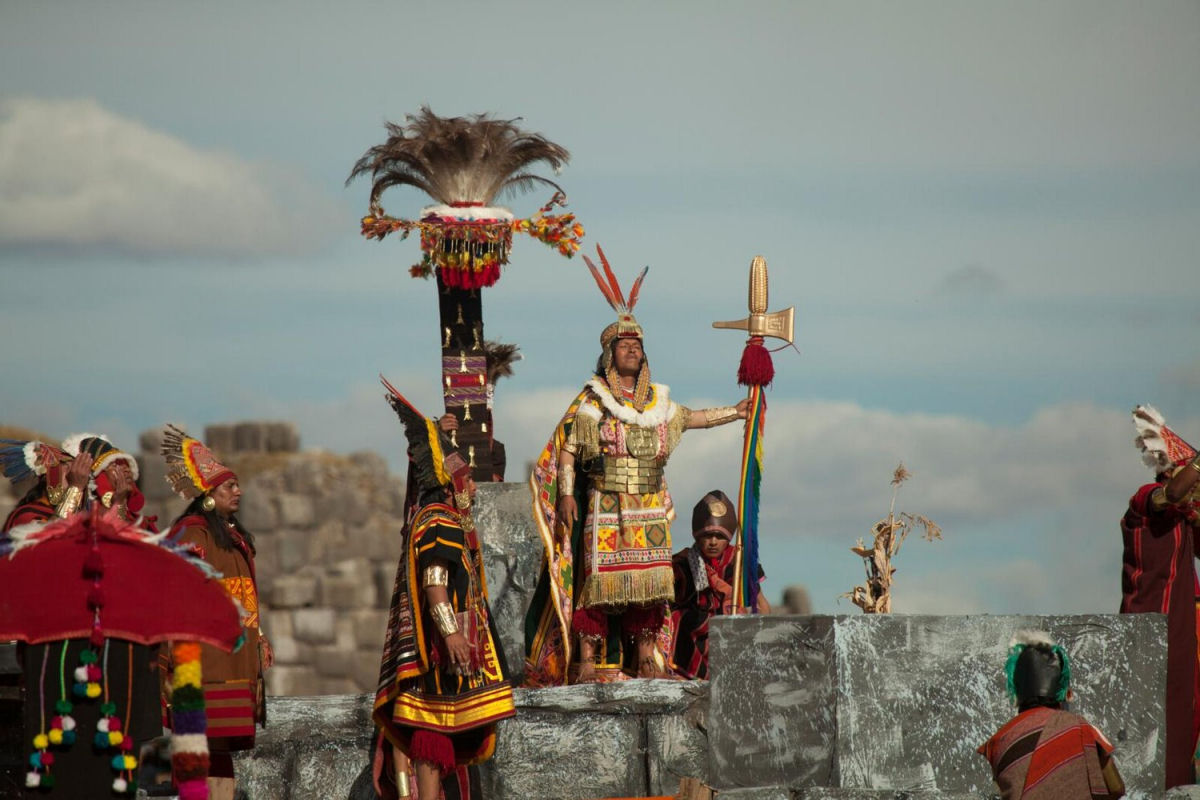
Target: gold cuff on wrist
pixel 444 619
pixel 70 502
pixel 566 480
pixel 435 575
pixel 719 416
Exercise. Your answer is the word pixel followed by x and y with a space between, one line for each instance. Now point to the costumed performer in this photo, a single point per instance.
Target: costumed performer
pixel 704 583
pixel 86 471
pixel 1158 574
pixel 443 681
pixel 1046 752
pixel 209 527
pixel 603 511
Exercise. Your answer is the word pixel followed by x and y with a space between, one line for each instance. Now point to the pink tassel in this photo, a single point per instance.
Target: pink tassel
pixel 756 368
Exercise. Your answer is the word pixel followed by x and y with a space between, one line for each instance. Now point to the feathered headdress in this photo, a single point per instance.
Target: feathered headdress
pixel 626 326
pixel 21 460
pixel 434 464
pixel 463 163
pixel 192 469
pixel 102 451
pixel 1161 447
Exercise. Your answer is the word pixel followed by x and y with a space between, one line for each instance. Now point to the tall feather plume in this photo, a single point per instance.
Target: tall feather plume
pixel 605 289
pixel 457 159
pixel 612 279
pixel 637 287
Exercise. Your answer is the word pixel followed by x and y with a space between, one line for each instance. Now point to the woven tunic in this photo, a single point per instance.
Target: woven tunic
pixel 1049 754
pixel 234 698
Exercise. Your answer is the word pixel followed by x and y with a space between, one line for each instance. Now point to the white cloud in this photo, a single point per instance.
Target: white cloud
pixel 75 175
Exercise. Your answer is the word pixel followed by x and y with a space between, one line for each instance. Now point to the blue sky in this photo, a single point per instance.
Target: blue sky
pixel 987 216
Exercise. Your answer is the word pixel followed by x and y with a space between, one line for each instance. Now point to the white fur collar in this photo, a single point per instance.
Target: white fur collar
pixel 655 414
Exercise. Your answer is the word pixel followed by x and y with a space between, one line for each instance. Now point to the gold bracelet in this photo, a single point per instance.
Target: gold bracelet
pixel 70 502
pixel 566 480
pixel 1195 464
pixel 719 416
pixel 435 575
pixel 443 617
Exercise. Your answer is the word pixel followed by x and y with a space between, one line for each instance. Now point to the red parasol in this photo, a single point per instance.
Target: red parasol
pixel 95 574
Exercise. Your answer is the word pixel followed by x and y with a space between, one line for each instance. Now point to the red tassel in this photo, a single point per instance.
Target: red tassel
pixel 95 598
pixel 97 637
pixel 93 564
pixel 756 368
pixel 436 748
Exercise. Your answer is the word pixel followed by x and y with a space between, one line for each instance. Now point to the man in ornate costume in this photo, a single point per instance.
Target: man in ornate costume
pixel 443 682
pixel 1046 752
pixel 704 583
pixel 603 511
pixel 1158 573
pixel 87 471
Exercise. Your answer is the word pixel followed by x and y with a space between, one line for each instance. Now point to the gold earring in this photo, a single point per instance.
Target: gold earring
pixel 208 503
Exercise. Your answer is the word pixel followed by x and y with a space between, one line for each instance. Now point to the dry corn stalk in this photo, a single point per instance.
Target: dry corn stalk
pixel 875 596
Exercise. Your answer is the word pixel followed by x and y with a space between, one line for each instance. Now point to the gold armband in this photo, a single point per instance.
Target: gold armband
pixel 719 416
pixel 436 575
pixel 403 790
pixel 566 480
pixel 70 502
pixel 1195 464
pixel 443 617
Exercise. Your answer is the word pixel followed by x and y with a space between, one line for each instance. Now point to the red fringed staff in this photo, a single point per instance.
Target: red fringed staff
pixel 756 373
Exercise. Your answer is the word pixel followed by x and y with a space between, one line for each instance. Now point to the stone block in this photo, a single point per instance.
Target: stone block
pixel 293 591
pixel 293 550
pixel 676 748
pixel 258 512
pixel 345 502
pixel 150 442
pixel 278 622
pixel 152 477
pixel 331 661
pixel 219 438
pixel 364 670
pixel 773 692
pixel 291 681
pixel 758 793
pixel 296 510
pixel 290 651
pixel 347 585
pixel 249 437
pixel 899 703
pixel 385 582
pixel 917 695
pixel 315 625
pixel 826 793
pixel 377 539
pixel 369 626
pixel 594 755
pixel 306 476
pixel 512 556
pixel 1182 793
pixel 280 437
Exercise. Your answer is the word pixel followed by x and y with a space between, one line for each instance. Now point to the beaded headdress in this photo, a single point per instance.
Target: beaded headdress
pixel 626 327
pixel 1161 447
pixel 192 469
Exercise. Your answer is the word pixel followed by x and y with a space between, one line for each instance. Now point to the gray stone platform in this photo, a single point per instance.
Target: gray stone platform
pixel 899 703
